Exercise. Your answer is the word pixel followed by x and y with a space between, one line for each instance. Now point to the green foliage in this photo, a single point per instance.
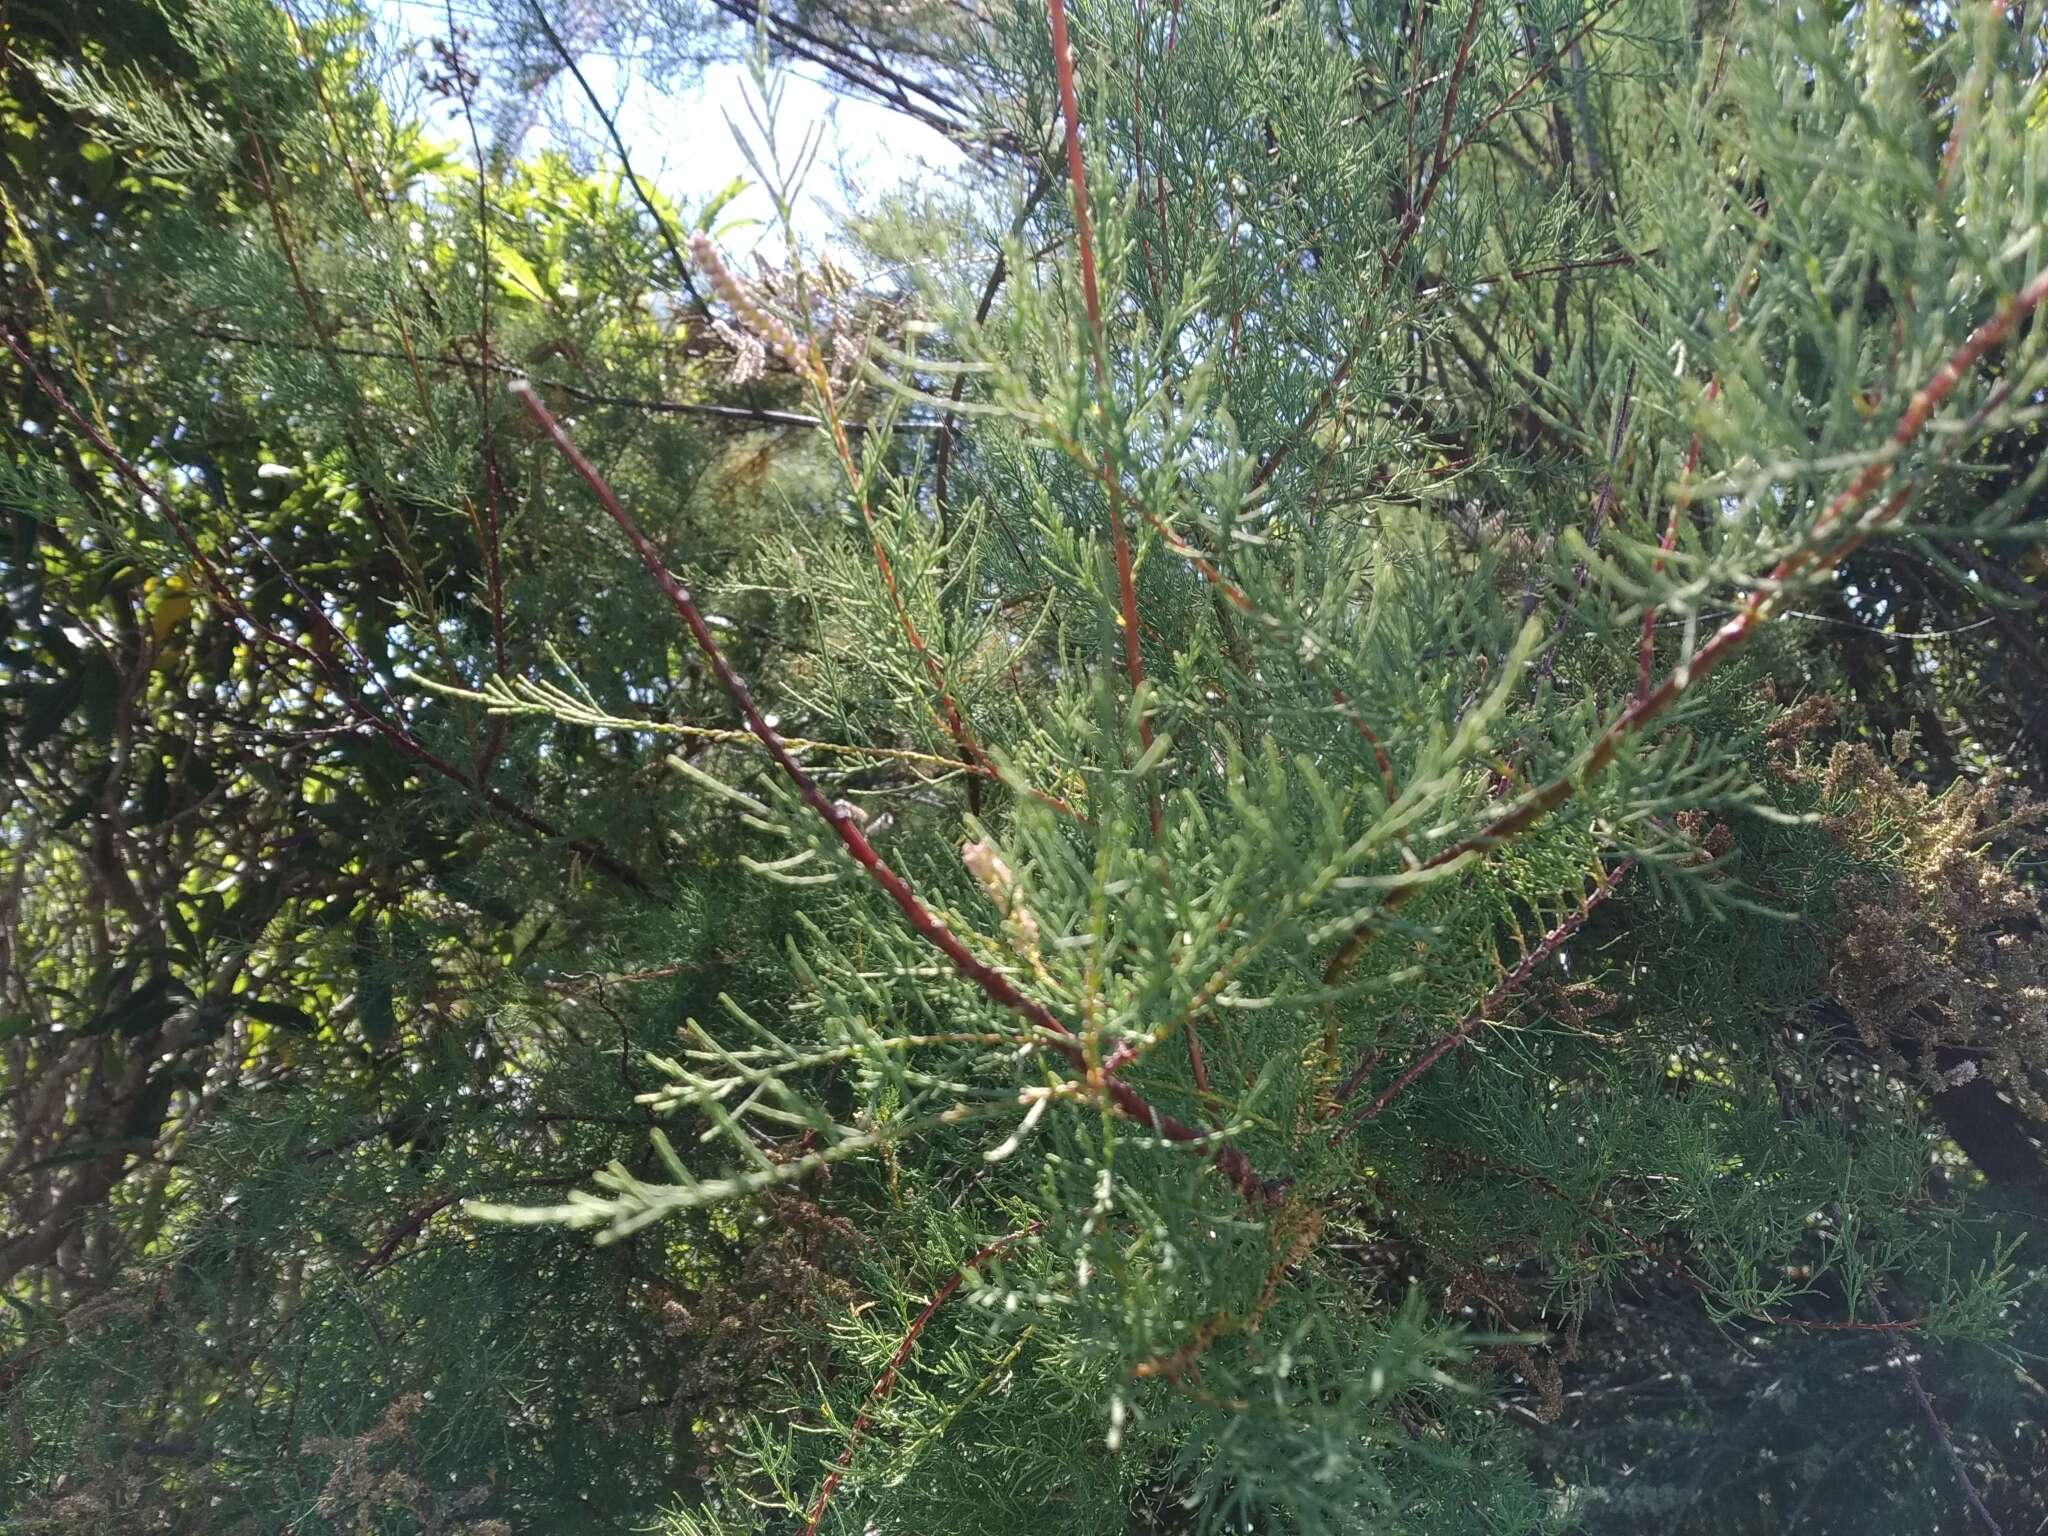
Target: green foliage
pixel 1331 905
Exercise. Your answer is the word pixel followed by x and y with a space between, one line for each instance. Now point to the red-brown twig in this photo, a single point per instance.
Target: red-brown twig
pixel 1473 1022
pixel 1972 86
pixel 1445 156
pixel 1441 160
pixel 1119 536
pixel 1646 641
pixel 1084 231
pixel 1070 114
pixel 992 983
pixel 1238 599
pixel 1379 753
pixel 1529 81
pixel 1814 555
pixel 1358 1077
pixel 886 1382
pixel 804 359
pixel 975 758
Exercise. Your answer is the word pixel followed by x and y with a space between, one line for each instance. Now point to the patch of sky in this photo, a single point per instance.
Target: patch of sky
pixel 675 128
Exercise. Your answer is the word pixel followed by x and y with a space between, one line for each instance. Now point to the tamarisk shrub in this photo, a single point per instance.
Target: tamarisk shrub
pixel 1377 451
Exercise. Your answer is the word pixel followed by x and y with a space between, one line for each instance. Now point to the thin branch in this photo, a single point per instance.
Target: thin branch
pixel 1506 103
pixel 611 128
pixel 998 274
pixel 397 734
pixel 993 984
pixel 1948 1445
pixel 1646 641
pixel 737 415
pixel 1441 160
pixel 1549 269
pixel 1813 557
pixel 888 85
pixel 1120 539
pixel 1379 753
pixel 804 357
pixel 886 1382
pixel 1473 1022
pixel 522 696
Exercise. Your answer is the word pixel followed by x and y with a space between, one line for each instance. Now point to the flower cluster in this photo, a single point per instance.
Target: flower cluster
pixel 749 357
pixel 995 877
pixel 772 332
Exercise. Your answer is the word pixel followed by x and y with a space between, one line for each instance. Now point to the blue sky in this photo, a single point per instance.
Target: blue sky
pixel 679 140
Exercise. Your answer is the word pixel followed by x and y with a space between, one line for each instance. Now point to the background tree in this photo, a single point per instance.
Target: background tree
pixel 299 956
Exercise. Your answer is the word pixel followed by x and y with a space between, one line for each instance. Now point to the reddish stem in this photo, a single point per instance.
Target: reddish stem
pixel 973 758
pixel 886 1382
pixel 1070 113
pixel 1440 165
pixel 1084 231
pixel 1508 101
pixel 1478 1017
pixel 1379 752
pixel 993 984
pixel 1237 598
pixel 1646 644
pixel 1957 130
pixel 1755 610
pixel 1441 160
